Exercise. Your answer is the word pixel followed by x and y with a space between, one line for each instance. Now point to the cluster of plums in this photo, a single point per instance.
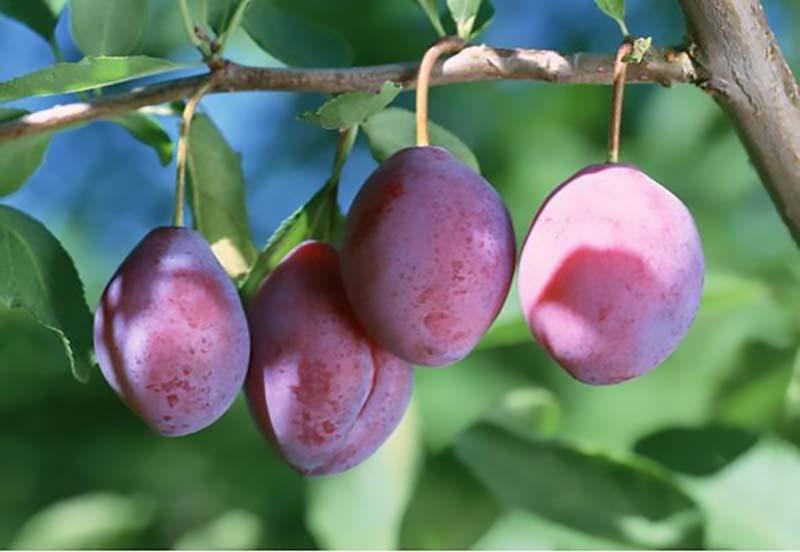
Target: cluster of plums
pixel 610 278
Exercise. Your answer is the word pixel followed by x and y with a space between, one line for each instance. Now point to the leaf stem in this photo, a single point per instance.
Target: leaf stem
pixel 615 123
pixel 189 27
pixel 235 21
pixel 183 150
pixel 347 137
pixel 445 45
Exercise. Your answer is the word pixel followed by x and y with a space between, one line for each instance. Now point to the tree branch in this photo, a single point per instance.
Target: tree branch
pixel 742 67
pixel 476 63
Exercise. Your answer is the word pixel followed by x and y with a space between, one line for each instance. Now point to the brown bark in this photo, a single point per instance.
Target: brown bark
pixel 740 64
pixel 476 63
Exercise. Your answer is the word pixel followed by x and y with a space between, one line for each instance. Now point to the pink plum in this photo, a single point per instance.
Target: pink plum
pixel 611 274
pixel 170 333
pixel 322 391
pixel 428 256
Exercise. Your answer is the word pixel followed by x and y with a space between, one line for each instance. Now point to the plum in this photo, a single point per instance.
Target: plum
pixel 428 256
pixel 611 274
pixel 319 388
pixel 170 333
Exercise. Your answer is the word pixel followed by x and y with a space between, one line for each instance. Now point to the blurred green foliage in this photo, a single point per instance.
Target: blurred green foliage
pixel 503 450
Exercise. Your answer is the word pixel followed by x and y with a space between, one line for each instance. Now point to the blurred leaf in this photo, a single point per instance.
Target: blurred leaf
pixel 480 382
pixel 521 530
pixel 293 40
pixel 149 132
pixel 620 500
pixel 393 129
pixel 363 507
pixel 107 28
pixel 37 15
pixel 86 74
pixel 431 9
pixel 235 530
pixel 753 395
pixel 464 14
pixel 314 220
pixel 526 411
pixel 37 275
pixel 20 157
pixel 615 9
pixel 352 108
pixel 753 502
pixel 793 394
pixel 699 451
pixel 95 521
pixel 219 210
pixel 735 311
pixel 450 509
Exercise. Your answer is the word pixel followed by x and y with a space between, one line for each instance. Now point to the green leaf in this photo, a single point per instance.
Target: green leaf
pixel 235 530
pixel 219 209
pixel 464 14
pixel 315 219
pixel 697 451
pixel 392 129
pixel 19 158
pixel 346 110
pixel 103 28
pixel 450 508
pixel 37 275
pixel 431 9
pixel 362 508
pixel 149 132
pixel 621 500
pixel 479 389
pixel 753 502
pixel 94 521
pixel 293 40
pixel 86 74
pixel 37 15
pixel 615 9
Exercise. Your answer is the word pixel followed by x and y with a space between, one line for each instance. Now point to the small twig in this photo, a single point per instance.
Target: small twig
pixel 183 150
pixel 445 45
pixel 615 124
pixel 473 64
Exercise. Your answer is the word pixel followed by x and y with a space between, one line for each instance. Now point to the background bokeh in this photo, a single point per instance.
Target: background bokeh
pixel 77 469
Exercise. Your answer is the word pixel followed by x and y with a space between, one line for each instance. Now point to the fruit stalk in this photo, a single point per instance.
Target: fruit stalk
pixel 183 150
pixel 615 124
pixel 445 45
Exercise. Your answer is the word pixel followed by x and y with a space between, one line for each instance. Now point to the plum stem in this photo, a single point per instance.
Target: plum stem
pixel 445 45
pixel 615 124
pixel 183 150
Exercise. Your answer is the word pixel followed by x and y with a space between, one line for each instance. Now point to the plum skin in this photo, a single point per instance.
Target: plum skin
pixel 611 274
pixel 322 392
pixel 428 256
pixel 170 333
